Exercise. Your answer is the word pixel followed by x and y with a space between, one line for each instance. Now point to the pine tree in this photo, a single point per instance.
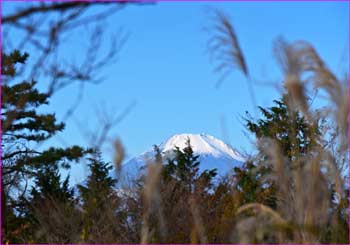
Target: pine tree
pixel 103 220
pixel 48 186
pixel 288 175
pixel 251 185
pixel 184 169
pixel 51 208
pixel 23 126
pixel 294 135
pixel 183 189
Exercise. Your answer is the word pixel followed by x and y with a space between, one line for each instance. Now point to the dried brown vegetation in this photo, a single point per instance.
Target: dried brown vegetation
pixel 293 190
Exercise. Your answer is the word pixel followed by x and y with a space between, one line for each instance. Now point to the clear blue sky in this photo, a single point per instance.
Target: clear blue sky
pixel 165 68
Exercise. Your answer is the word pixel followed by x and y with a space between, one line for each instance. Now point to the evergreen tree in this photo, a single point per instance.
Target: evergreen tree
pixel 184 169
pixel 289 176
pixel 294 135
pixel 23 126
pixel 182 188
pixel 103 219
pixel 48 186
pixel 251 185
pixel 51 208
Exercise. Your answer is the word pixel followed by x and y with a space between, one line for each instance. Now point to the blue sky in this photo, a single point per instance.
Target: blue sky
pixel 164 67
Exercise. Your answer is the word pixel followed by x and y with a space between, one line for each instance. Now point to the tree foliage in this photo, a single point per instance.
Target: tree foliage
pixel 291 191
pixel 23 126
pixel 102 215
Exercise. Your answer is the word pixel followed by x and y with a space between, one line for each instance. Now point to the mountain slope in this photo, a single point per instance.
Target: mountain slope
pixel 213 153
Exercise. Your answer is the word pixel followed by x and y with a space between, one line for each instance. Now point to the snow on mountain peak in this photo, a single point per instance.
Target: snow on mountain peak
pixel 213 153
pixel 202 144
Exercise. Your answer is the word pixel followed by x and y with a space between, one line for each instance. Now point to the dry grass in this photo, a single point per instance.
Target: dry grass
pixel 305 210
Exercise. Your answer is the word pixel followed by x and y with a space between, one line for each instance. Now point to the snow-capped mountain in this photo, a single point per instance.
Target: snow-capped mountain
pixel 213 153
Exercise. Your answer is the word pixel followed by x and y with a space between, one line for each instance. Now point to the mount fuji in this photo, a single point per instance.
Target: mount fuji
pixel 213 153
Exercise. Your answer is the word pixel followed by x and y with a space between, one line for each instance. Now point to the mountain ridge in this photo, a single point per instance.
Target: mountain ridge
pixel 213 153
